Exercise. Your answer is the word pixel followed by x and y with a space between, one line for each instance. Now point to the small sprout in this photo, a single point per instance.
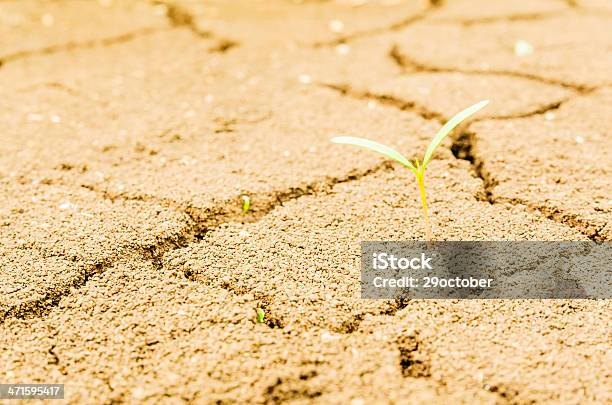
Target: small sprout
pixel 419 167
pixel 246 204
pixel 260 315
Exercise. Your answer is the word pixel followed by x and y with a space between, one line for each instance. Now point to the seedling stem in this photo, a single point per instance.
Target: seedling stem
pixel 260 315
pixel 421 182
pixel 246 204
pixel 419 167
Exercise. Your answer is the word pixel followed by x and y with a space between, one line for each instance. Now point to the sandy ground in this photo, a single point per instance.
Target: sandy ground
pixel 131 130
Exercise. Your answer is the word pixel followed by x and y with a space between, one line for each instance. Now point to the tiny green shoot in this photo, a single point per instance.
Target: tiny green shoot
pixel 260 315
pixel 418 168
pixel 246 204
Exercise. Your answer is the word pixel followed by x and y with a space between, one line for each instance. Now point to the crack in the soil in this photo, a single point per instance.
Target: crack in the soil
pixel 199 222
pixel 541 110
pixel 468 22
pixel 432 7
pixel 261 300
pixel 412 360
pixel 410 64
pixel 230 210
pixel 41 305
pixel 292 388
pixel 180 17
pixel 52 85
pixel 389 309
pixel 464 147
pixel 177 17
pixel 571 3
pixel 590 230
pixel 223 46
pixel 395 26
pixel 386 99
pixel 52 49
pixel 505 393
pixel 427 114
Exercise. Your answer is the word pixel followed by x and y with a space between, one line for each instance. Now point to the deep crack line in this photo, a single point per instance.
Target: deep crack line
pixel 545 108
pixel 464 147
pixel 590 230
pixel 424 14
pixel 409 64
pixel 386 99
pixel 177 18
pixel 230 210
pixel 199 222
pixel 396 26
pixel 53 49
pixel 468 22
pixel 427 114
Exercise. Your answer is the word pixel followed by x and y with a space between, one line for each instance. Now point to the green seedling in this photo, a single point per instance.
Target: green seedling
pixel 260 315
pixel 418 168
pixel 246 204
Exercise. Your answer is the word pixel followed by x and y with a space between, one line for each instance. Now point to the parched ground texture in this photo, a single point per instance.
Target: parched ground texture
pixel 131 130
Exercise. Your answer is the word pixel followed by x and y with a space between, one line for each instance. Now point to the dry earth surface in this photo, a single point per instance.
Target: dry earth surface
pixel 131 130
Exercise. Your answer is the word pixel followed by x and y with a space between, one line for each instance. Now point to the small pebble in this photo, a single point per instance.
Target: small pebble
pixel 336 26
pixel 579 139
pixel 523 48
pixel 66 205
pixel 305 79
pixel 343 49
pixel 326 336
pixel 549 116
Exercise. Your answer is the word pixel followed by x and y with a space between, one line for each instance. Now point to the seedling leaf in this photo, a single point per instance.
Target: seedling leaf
pixel 448 127
pixel 260 315
pixel 419 167
pixel 376 147
pixel 246 204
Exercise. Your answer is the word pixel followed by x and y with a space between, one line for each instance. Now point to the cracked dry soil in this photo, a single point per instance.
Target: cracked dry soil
pixel 131 131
